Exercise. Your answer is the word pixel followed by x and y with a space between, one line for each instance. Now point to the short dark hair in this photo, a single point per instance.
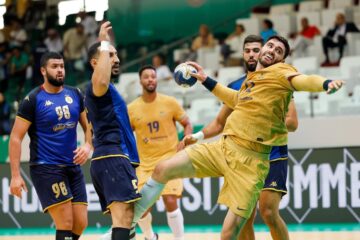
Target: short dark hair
pixel 143 68
pixel 49 55
pixel 162 57
pixel 253 38
pixel 93 50
pixel 283 41
pixel 269 23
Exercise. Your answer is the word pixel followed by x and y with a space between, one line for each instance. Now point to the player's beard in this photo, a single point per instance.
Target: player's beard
pixel 115 70
pixel 251 67
pixel 151 89
pixel 265 64
pixel 54 81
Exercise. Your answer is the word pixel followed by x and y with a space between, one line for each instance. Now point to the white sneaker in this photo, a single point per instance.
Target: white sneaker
pixel 107 235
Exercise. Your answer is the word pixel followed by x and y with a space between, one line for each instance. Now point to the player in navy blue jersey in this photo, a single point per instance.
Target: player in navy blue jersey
pixel 115 155
pixel 50 114
pixel 275 183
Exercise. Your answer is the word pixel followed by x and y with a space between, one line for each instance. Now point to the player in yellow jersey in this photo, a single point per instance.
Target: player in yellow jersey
pixel 241 156
pixel 270 195
pixel 153 116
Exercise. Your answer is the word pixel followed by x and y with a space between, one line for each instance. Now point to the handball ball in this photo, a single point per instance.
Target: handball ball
pixel 182 75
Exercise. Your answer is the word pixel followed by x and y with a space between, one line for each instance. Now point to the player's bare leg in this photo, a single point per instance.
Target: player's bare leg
pixel 174 216
pixel 80 218
pixel 178 166
pixel 63 218
pixel 269 210
pixel 247 233
pixel 122 215
pixel 232 226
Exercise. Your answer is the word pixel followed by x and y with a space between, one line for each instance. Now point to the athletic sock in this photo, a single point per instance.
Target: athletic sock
pixel 146 227
pixel 63 235
pixel 176 223
pixel 119 233
pixel 75 236
pixel 150 193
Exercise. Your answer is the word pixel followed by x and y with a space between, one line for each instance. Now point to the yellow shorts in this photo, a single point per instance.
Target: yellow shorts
pixel 173 187
pixel 244 171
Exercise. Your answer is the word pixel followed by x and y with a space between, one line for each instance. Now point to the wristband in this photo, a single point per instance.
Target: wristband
pixel 326 84
pixel 209 83
pixel 105 46
pixel 198 136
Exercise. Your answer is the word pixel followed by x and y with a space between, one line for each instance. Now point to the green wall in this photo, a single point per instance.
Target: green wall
pixel 147 20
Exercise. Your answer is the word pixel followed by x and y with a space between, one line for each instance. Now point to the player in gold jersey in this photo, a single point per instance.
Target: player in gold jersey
pixel 153 116
pixel 241 156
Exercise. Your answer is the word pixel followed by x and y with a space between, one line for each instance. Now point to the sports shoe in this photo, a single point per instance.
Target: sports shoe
pixel 107 235
pixel 156 237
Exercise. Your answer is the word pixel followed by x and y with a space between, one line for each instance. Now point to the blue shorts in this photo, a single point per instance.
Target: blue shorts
pixel 276 179
pixel 56 184
pixel 115 180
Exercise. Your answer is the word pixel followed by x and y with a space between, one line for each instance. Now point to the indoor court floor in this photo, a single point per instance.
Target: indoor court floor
pixel 297 232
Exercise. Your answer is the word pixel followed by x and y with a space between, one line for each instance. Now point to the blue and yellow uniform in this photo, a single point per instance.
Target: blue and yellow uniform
pixel 276 179
pixel 115 155
pixel 54 118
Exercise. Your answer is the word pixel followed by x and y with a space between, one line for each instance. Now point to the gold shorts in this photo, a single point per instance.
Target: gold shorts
pixel 244 171
pixel 173 187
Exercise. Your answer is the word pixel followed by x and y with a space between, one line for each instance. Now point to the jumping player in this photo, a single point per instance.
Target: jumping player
pixel 275 182
pixel 242 154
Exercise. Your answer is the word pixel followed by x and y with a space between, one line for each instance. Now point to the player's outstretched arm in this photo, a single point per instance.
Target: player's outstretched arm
pixel 211 130
pixel 18 132
pixel 225 94
pixel 315 83
pixel 102 70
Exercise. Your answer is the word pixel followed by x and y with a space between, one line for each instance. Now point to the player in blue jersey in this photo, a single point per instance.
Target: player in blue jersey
pixel 50 114
pixel 115 155
pixel 275 183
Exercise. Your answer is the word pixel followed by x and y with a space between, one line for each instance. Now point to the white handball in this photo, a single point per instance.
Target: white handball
pixel 182 75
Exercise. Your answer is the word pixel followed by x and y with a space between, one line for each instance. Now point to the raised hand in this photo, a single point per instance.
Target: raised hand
pixel 104 31
pixel 200 75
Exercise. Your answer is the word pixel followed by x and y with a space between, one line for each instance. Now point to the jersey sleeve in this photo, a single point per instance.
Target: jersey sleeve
pixel 285 73
pixel 179 112
pixel 27 109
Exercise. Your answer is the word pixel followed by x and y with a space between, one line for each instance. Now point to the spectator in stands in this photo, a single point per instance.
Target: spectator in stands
pixel 90 27
pixel 4 116
pixel 305 37
pixel 18 34
pixel 232 48
pixel 267 29
pixel 18 63
pixel 204 40
pixel 336 38
pixel 53 41
pixel 162 70
pixel 4 60
pixel 74 42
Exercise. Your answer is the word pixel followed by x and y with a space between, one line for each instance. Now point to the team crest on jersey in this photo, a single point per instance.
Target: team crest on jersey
pixel 146 140
pixel 68 99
